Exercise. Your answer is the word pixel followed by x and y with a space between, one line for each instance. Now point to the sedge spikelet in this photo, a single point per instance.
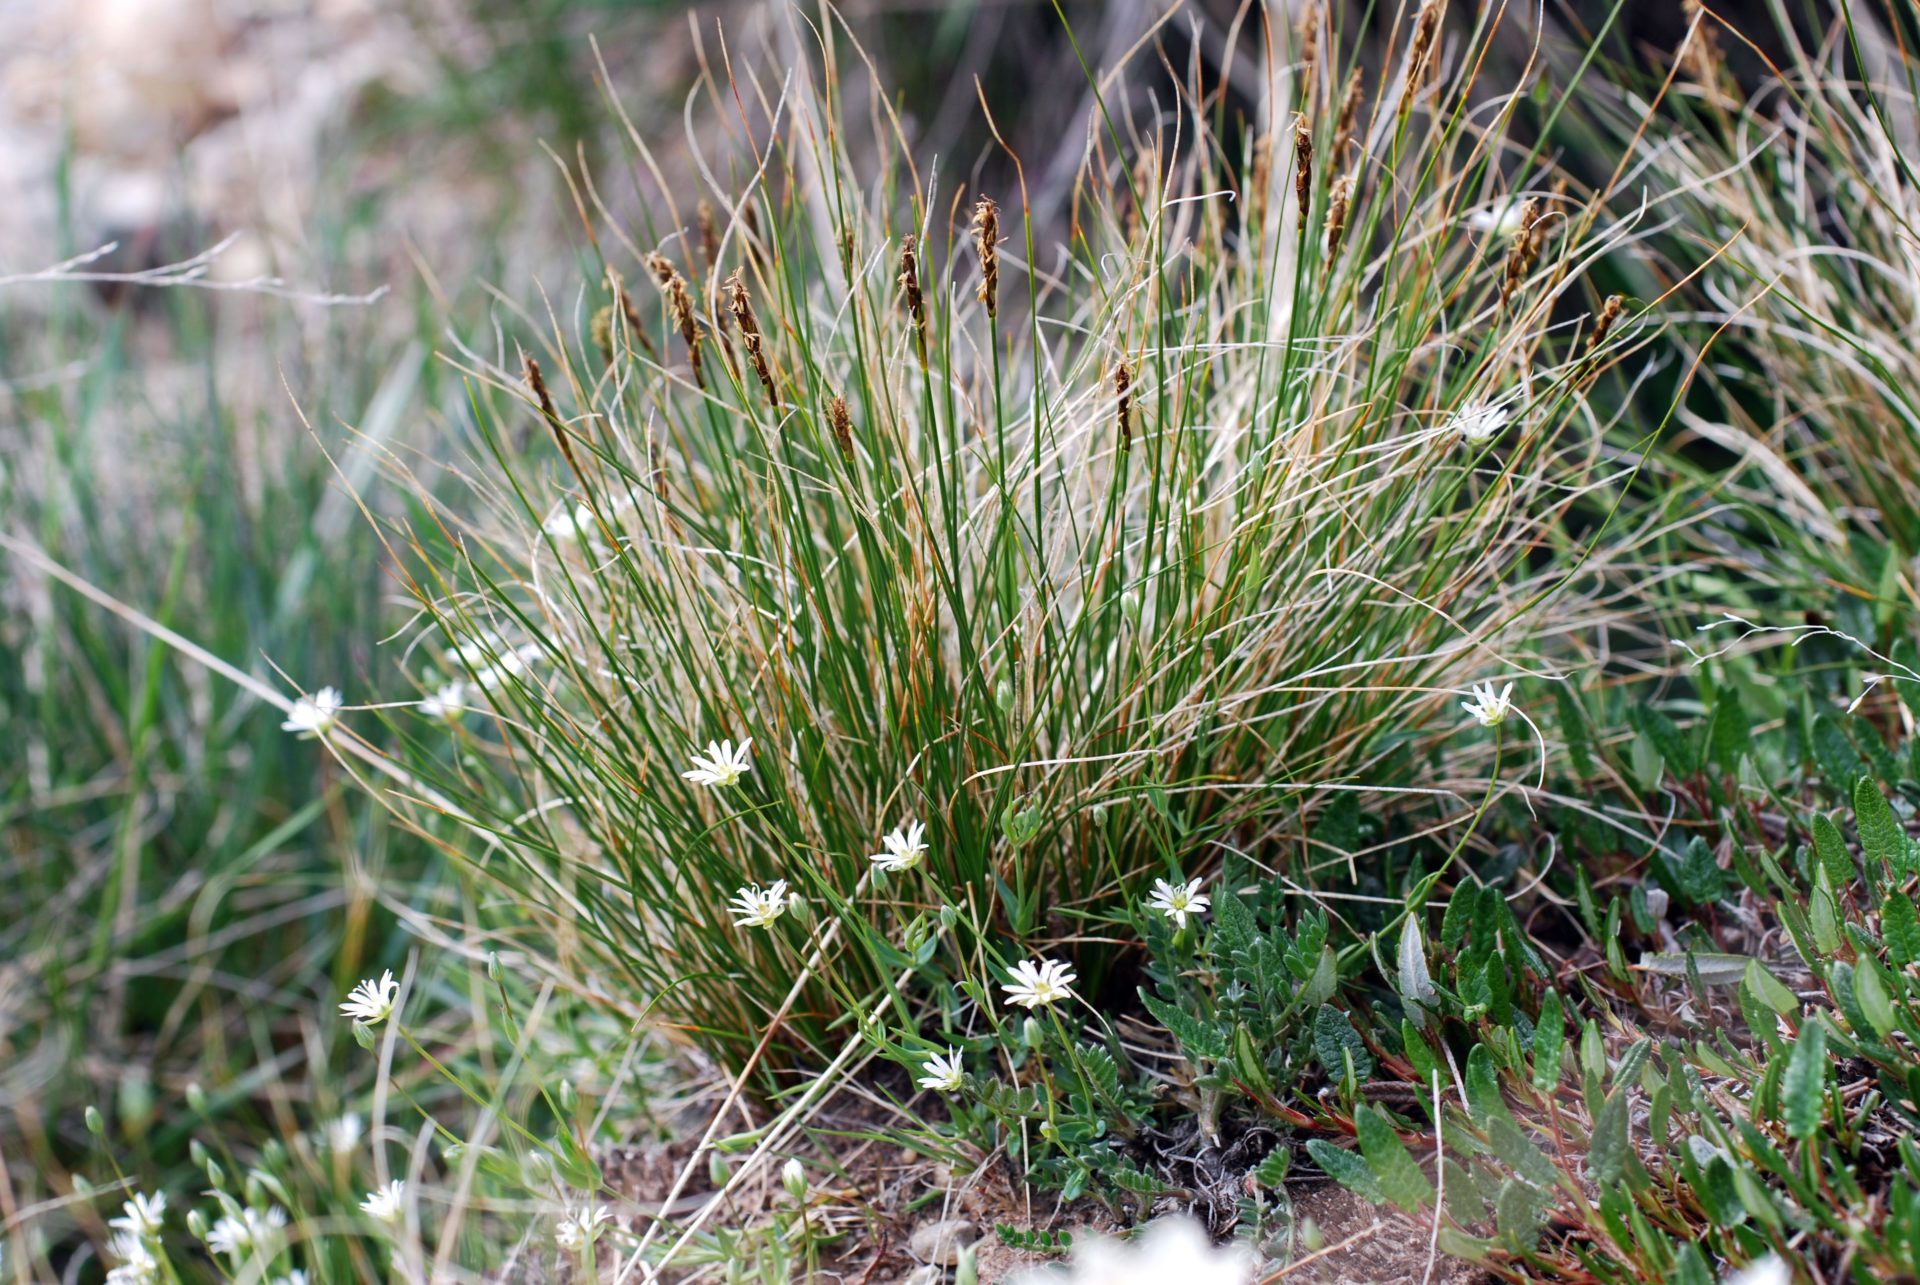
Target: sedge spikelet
pixel 1123 405
pixel 709 233
pixel 1602 324
pixel 916 305
pixel 1302 165
pixel 1339 196
pixel 1426 29
pixel 680 308
pixel 1524 249
pixel 750 336
pixel 1349 117
pixel 840 419
pixel 986 243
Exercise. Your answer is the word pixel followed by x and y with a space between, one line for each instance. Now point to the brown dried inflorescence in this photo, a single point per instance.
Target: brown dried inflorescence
pixel 916 304
pixel 1426 29
pixel 680 308
pixel 1339 197
pixel 1524 250
pixel 840 420
pixel 986 243
pixel 1123 404
pixel 1349 117
pixel 1302 165
pixel 742 309
pixel 1609 313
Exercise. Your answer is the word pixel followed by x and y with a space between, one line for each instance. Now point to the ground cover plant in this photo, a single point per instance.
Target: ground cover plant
pixel 1367 656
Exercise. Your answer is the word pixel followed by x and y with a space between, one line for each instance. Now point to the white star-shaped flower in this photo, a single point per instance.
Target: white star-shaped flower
pixel 566 525
pixel 141 1216
pixel 372 1002
pixel 578 1228
pixel 722 764
pixel 343 1133
pixel 138 1264
pixel 1177 902
pixel 1039 983
pixel 449 703
pixel 1488 707
pixel 314 715
pixel 1478 421
pixel 904 849
pixel 757 907
pixel 252 1228
pixel 386 1203
pixel 943 1072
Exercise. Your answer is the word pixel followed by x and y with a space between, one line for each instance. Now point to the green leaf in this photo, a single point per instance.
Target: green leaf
pixel 1334 1040
pixel 1831 847
pixel 1881 837
pixel 1272 1171
pixel 1664 737
pixel 1549 1042
pixel 1520 1154
pixel 1871 992
pixel 1834 754
pixel 1608 1152
pixel 1519 1211
pixel 1573 726
pixel 1727 733
pixel 1459 914
pixel 1416 984
pixel 1900 927
pixel 1401 1179
pixel 1348 1168
pixel 1197 1039
pixel 1804 1085
pixel 1769 990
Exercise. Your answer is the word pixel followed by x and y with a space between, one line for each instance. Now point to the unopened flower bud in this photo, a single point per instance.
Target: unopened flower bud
pixel 794 1179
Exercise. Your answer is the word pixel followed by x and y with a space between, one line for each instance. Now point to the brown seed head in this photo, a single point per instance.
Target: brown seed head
pixel 1602 324
pixel 1123 404
pixel 742 309
pixel 1339 196
pixel 840 419
pixel 1426 28
pixel 680 308
pixel 916 305
pixel 1349 116
pixel 1302 164
pixel 709 233
pixel 986 243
